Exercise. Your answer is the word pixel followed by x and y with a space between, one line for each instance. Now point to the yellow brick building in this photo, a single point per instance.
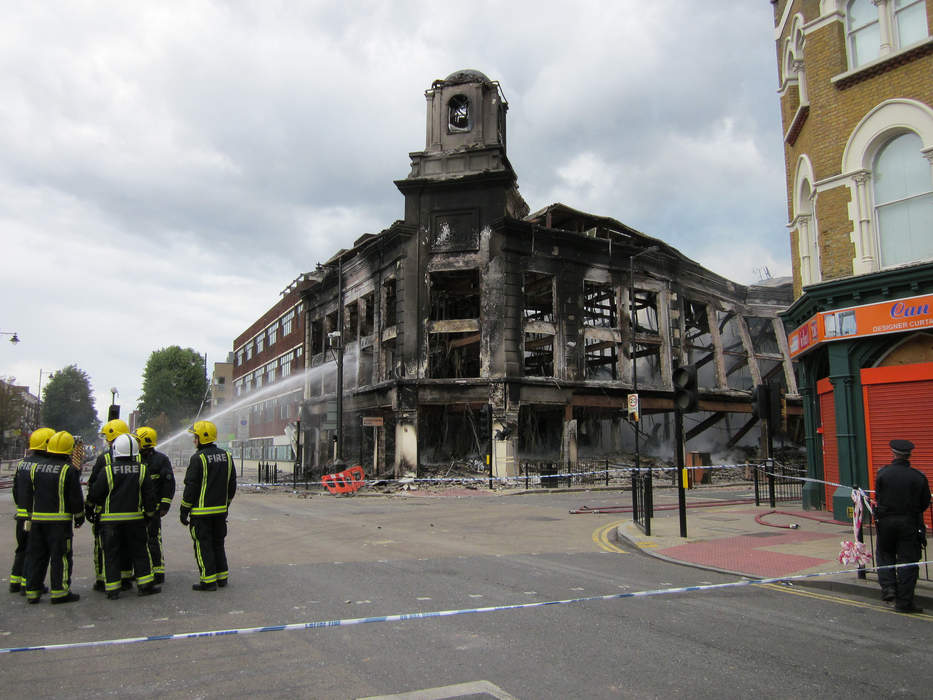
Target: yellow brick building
pixel 856 96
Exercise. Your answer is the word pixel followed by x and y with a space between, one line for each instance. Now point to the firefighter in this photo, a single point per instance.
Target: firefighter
pixel 38 442
pixel 160 471
pixel 125 497
pixel 110 431
pixel 54 500
pixel 210 484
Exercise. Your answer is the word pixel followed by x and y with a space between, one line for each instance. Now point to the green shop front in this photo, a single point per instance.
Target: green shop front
pixel 863 352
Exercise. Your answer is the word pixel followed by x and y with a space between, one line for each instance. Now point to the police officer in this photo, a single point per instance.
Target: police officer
pixel 160 471
pixel 210 484
pixel 53 498
pixel 125 497
pixel 902 494
pixel 110 431
pixel 38 441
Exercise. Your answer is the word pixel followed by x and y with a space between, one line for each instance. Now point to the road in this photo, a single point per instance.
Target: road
pixel 303 560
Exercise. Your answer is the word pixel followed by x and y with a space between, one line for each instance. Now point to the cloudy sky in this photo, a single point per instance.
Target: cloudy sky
pixel 167 168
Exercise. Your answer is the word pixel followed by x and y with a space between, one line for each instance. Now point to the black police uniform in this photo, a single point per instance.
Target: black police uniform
pixel 124 495
pixel 163 478
pixel 20 477
pixel 902 494
pixel 53 497
pixel 210 484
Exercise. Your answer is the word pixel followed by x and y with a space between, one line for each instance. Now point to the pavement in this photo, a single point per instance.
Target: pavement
pixel 761 542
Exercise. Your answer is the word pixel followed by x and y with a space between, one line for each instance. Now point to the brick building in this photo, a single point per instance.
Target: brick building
pixel 473 329
pixel 856 94
pixel 266 373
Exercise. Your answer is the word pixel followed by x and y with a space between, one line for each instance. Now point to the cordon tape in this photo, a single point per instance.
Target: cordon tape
pixel 349 622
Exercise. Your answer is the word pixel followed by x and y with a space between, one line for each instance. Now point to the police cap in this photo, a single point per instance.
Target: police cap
pixel 903 446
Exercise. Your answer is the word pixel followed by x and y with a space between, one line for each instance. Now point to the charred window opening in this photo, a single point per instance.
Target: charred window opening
pixel 317 336
pixel 455 231
pixel 388 359
pixel 365 370
pixel 646 312
pixel 540 431
pixel 698 342
pixel 599 305
pixel 330 325
pixel 539 355
pixel 648 340
pixel 452 432
pixel 351 322
pixel 539 297
pixel 389 303
pixel 738 374
pixel 455 295
pixel 367 318
pixel 459 114
pixel 764 340
pixel 453 355
pixel 602 359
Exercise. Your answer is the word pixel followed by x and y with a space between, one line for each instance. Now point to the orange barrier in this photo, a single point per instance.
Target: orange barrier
pixel 347 481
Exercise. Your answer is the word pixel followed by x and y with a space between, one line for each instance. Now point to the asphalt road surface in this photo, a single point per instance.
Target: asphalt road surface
pixel 308 560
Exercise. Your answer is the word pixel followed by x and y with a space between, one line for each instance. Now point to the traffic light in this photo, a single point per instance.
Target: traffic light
pixel 686 395
pixel 113 412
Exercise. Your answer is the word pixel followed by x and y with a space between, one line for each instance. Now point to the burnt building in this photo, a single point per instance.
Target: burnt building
pixel 474 329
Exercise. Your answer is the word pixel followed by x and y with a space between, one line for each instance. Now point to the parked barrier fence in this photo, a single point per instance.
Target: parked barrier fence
pixel 642 500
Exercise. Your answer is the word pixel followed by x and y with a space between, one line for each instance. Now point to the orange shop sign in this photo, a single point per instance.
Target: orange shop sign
pixel 896 316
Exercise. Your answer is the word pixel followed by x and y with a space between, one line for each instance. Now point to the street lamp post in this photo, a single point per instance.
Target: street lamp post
pixel 114 411
pixel 632 322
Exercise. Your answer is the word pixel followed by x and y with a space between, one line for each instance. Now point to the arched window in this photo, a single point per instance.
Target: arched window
pixel 903 188
pixel 459 116
pixel 863 31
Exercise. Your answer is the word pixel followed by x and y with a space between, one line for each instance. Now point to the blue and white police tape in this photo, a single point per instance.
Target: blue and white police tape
pixel 349 622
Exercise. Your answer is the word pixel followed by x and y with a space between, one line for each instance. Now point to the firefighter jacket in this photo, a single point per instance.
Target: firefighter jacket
pixel 210 482
pixel 162 475
pixel 53 491
pixel 123 491
pixel 21 477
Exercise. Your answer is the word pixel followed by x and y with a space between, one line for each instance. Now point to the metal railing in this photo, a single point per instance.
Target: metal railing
pixel 782 482
pixel 642 505
pixel 552 475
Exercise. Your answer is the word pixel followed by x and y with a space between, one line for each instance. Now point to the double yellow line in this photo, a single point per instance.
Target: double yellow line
pixel 601 538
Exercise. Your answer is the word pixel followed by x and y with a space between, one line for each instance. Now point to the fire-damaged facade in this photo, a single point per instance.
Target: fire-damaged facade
pixel 473 329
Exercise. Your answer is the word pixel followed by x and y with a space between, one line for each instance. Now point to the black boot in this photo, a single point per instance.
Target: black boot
pixel 16 587
pixel 159 578
pixel 70 598
pixel 150 589
pixel 113 595
pixel 204 587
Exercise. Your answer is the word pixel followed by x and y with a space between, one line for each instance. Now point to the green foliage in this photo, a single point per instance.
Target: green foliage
pixel 67 404
pixel 174 384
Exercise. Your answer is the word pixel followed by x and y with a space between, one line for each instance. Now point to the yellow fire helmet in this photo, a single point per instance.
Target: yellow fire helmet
pixel 39 439
pixel 61 443
pixel 205 431
pixel 113 428
pixel 147 437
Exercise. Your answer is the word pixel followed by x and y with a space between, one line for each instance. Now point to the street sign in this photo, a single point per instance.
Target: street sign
pixel 373 421
pixel 633 406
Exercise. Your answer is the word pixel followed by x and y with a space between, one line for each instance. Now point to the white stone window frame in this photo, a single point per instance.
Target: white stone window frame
pixel 805 223
pixel 879 127
pixel 792 66
pixel 889 38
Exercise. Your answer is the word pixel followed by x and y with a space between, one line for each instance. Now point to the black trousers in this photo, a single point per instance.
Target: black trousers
pixel 49 549
pixel 156 554
pixel 899 543
pixel 125 541
pixel 208 534
pixel 19 554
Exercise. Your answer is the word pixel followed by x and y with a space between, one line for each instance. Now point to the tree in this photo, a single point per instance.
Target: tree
pixel 12 408
pixel 67 404
pixel 174 384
